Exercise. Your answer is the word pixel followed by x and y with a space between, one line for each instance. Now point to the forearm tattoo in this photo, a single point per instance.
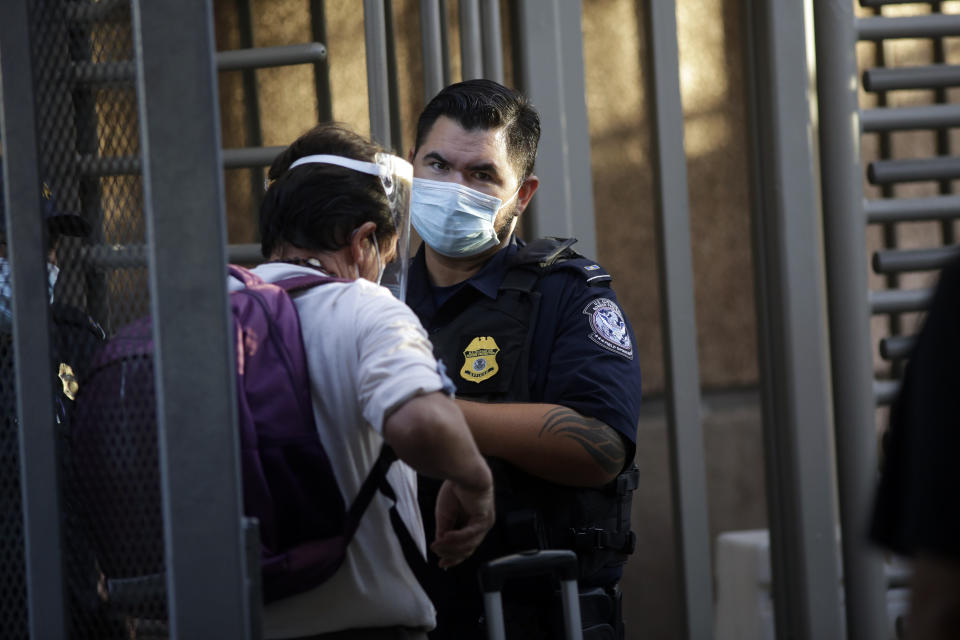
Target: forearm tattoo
pixel 599 440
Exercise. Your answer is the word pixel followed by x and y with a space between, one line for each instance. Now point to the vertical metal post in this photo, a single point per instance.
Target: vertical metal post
pixel 945 187
pixel 89 188
pixel 792 323
pixel 251 103
pixel 321 70
pixel 841 176
pixel 890 233
pixel 688 473
pixel 492 40
pixel 196 405
pixel 378 90
pixel 431 45
pixel 393 93
pixel 445 42
pixel 550 72
pixel 471 56
pixel 26 239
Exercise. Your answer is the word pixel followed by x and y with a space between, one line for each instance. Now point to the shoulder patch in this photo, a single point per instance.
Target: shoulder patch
pixel 591 267
pixel 608 328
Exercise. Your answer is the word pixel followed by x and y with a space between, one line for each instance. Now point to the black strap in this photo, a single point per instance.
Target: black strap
pixel 296 284
pixel 520 278
pixel 545 251
pixel 627 481
pixel 411 551
pixel 377 480
pixel 596 539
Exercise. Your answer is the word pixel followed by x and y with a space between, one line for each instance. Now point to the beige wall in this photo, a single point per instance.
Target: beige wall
pixel 711 85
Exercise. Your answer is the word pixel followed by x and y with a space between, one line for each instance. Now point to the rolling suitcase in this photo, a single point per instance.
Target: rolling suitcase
pixel 560 563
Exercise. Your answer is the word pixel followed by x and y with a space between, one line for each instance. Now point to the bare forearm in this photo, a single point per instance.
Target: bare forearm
pixel 547 440
pixel 429 434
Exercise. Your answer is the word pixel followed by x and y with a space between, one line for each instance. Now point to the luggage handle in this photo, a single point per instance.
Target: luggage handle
pixel 561 563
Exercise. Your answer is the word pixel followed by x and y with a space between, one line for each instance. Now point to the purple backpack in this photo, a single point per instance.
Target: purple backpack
pixel 288 483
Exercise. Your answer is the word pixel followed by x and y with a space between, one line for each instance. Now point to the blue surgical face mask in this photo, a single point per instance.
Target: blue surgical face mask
pixel 6 292
pixel 454 220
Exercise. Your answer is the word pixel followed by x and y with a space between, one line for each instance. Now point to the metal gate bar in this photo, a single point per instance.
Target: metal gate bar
pixel 196 404
pixel 321 70
pixel 917 77
pixel 40 488
pixel 471 55
pixel 927 26
pixel 889 230
pixel 897 260
pixel 914 170
pixel 912 209
pixel 841 177
pixel 904 118
pixel 431 45
pixel 791 324
pixel 375 33
pixel 492 40
pixel 550 72
pixel 899 300
pixel 678 322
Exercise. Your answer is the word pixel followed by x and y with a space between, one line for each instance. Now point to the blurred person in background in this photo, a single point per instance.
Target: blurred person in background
pixel 75 337
pixel 916 512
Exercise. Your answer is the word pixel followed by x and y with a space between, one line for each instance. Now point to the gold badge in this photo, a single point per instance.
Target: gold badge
pixel 480 359
pixel 69 380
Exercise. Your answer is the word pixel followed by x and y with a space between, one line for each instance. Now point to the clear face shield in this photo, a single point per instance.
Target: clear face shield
pixel 397 181
pixel 396 177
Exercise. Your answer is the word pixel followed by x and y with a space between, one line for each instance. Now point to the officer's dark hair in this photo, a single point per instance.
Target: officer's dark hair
pixel 485 104
pixel 317 206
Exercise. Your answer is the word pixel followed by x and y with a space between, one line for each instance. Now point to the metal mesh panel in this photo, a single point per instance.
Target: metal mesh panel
pixel 13 595
pixel 109 477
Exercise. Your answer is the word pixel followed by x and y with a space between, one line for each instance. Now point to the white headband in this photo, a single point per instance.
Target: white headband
pixel 370 168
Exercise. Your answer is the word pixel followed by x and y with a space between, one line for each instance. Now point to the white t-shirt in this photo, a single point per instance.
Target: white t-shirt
pixel 367 354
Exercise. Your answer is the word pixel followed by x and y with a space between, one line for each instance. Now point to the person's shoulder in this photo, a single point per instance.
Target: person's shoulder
pixel 375 302
pixel 556 259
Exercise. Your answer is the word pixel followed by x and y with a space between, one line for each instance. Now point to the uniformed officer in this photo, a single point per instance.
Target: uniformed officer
pixel 542 356
pixel 74 339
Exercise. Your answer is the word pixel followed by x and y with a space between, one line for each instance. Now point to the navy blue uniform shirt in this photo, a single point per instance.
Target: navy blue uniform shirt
pixel 571 363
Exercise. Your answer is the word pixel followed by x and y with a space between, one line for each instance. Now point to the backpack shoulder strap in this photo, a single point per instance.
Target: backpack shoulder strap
pixel 377 481
pixel 301 283
pixel 290 285
pixel 244 275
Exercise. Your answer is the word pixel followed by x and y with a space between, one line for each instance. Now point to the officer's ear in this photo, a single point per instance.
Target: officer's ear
pixel 527 189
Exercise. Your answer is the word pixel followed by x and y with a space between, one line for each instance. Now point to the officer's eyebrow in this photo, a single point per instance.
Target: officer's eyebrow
pixel 488 167
pixel 433 155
